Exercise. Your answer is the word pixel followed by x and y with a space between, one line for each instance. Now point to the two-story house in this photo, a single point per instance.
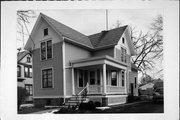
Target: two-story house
pixel 65 62
pixel 24 73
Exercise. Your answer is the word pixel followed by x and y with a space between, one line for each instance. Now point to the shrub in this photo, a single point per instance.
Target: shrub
pixel 22 94
pixel 97 104
pixel 87 106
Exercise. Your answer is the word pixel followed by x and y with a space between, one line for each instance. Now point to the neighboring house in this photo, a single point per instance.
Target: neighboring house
pixel 24 73
pixel 148 88
pixel 66 62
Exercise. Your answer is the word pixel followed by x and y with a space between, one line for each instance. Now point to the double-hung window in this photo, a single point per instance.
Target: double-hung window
pixel 46 50
pixel 28 72
pixel 28 59
pixel 123 54
pixel 19 71
pixel 47 78
pixel 28 88
pixel 114 78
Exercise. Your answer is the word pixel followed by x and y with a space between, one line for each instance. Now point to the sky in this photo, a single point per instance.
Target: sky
pixel 91 21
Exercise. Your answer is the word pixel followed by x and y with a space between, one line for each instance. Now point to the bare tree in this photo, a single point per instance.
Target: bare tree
pixel 23 19
pixel 149 46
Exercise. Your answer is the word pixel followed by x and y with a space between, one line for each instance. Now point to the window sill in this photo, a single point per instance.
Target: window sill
pixel 46 60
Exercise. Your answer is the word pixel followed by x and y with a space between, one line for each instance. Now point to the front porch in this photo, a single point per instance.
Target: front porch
pixel 101 76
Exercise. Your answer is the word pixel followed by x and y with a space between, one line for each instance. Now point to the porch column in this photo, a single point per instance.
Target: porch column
pixel 73 90
pixel 125 81
pixel 104 78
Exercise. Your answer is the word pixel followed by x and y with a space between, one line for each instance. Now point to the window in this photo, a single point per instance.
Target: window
pixel 28 72
pixel 43 51
pixel 45 31
pixel 122 77
pixel 114 78
pixel 123 40
pixel 49 49
pixel 92 77
pixel 46 50
pixel 28 59
pixel 81 75
pixel 98 77
pixel 47 78
pixel 28 88
pixel 19 71
pixel 123 55
pixel 135 81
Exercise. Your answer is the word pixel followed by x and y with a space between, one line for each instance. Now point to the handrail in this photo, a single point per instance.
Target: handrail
pixel 87 85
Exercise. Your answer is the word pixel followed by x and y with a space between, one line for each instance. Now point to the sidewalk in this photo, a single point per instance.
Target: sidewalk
pixel 49 111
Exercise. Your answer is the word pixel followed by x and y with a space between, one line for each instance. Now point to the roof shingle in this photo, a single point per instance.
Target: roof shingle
pixel 105 38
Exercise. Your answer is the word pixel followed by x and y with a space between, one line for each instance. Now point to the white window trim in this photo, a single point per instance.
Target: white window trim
pixel 117 78
pixel 52 77
pixel 43 31
pixel 49 39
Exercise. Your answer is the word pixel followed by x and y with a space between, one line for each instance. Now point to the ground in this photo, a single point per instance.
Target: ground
pixel 138 107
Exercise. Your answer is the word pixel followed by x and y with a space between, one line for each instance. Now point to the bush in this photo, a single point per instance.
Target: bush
pixel 97 104
pixel 87 106
pixel 22 94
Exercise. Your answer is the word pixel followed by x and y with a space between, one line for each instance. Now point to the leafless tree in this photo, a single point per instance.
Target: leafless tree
pixel 23 19
pixel 149 46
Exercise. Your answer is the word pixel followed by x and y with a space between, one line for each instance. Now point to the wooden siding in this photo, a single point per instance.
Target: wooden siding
pixel 56 64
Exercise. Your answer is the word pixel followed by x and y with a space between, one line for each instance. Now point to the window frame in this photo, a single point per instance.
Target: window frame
pixel 123 40
pixel 19 72
pixel 28 59
pixel 29 85
pixel 90 77
pixel 123 55
pixel 28 72
pixel 46 49
pixel 42 82
pixel 44 30
pixel 116 77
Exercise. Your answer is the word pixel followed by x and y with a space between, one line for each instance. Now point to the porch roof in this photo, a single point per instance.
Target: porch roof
pixel 97 61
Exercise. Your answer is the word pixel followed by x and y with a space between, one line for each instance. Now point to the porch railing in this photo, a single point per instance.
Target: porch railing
pixel 115 89
pixel 95 89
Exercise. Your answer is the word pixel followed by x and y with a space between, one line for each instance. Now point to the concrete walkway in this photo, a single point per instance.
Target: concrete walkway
pixel 49 111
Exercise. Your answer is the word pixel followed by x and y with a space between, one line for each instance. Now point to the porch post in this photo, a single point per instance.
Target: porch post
pixel 125 81
pixel 73 90
pixel 104 78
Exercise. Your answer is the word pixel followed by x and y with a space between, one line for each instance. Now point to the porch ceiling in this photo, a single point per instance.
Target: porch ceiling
pixel 96 61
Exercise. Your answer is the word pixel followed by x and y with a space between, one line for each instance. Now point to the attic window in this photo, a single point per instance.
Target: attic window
pixel 123 41
pixel 45 31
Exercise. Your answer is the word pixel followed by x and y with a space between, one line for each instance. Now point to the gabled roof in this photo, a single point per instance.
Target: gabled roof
pixel 105 38
pixel 93 42
pixel 68 32
pixel 21 55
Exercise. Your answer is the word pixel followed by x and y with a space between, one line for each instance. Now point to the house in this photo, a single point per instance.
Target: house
pixel 67 62
pixel 24 73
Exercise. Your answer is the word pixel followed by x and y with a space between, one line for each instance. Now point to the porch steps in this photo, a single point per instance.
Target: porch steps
pixel 76 100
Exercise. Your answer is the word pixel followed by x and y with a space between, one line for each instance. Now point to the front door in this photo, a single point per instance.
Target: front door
pixel 94 81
